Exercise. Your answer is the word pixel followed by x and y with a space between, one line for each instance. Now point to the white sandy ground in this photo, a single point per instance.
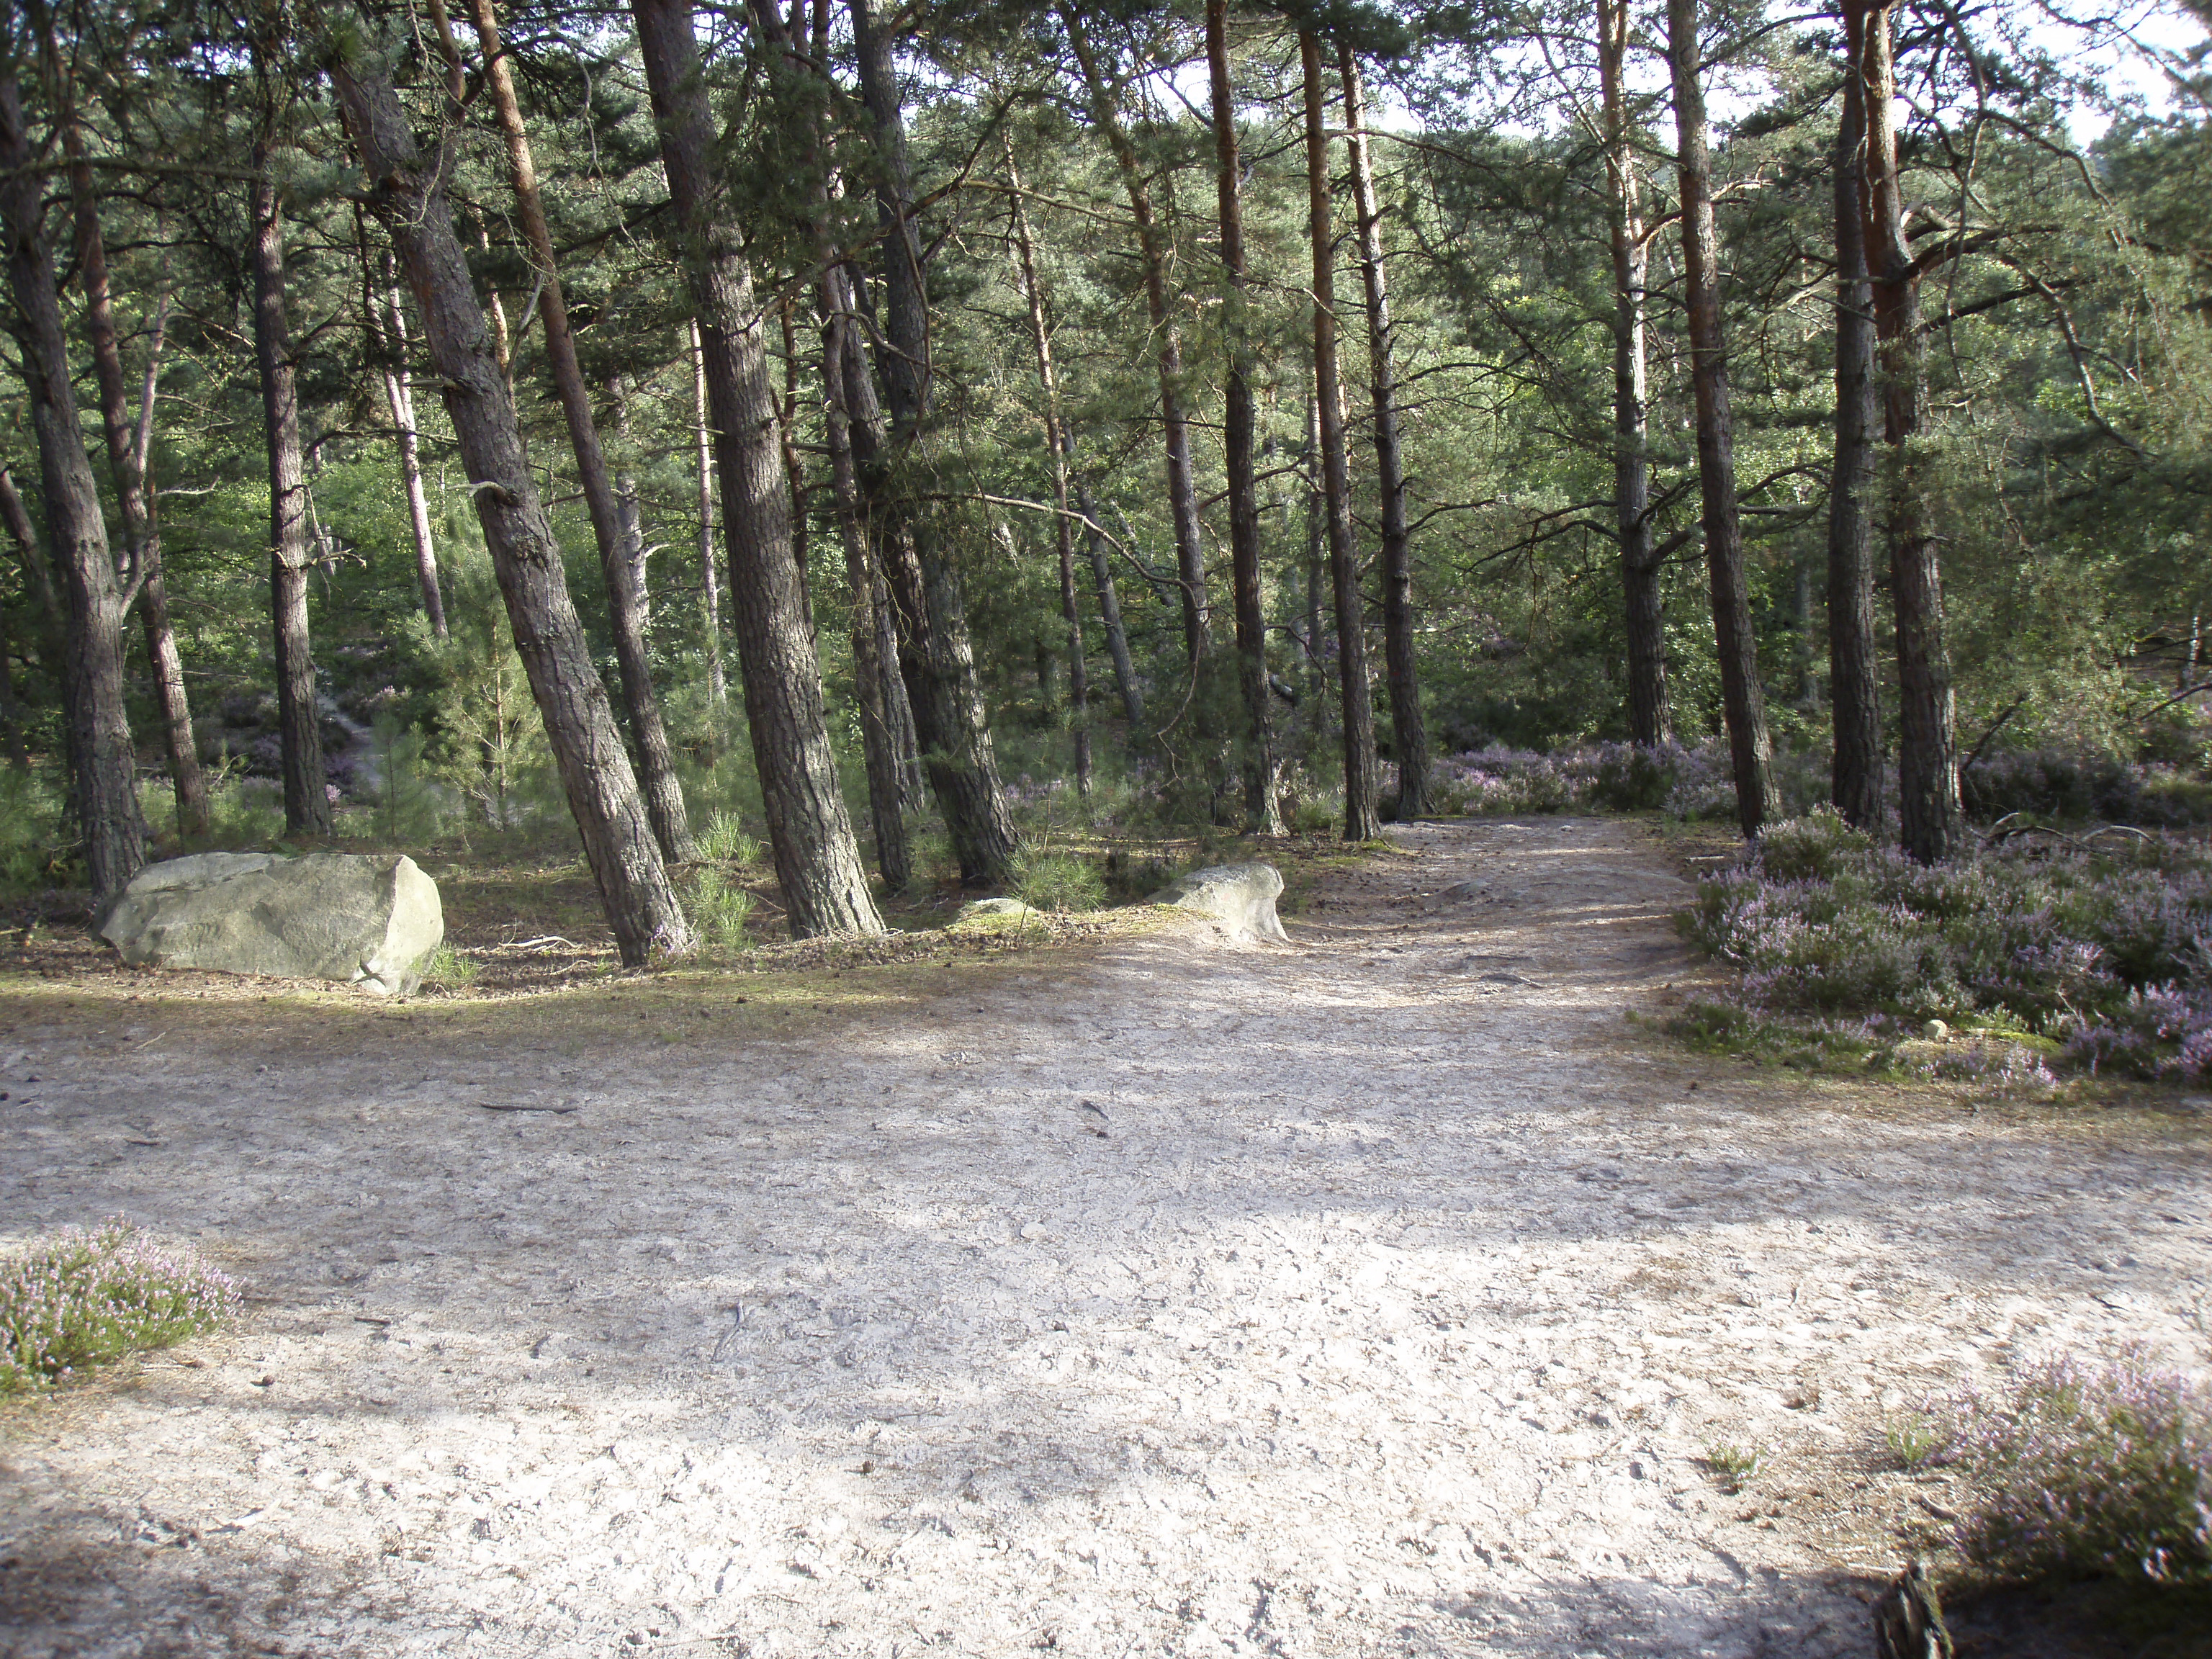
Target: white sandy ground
pixel 1393 1312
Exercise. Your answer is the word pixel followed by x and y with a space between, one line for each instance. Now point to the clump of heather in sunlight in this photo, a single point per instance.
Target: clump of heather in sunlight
pixel 79 1298
pixel 2078 1470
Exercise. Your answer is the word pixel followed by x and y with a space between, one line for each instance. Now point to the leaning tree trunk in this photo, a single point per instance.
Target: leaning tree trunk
pixel 1743 701
pixel 299 726
pixel 1853 672
pixel 1110 614
pixel 1650 721
pixel 595 771
pixel 941 681
pixel 1058 447
pixel 399 399
pixel 817 858
pixel 1930 822
pixel 1153 253
pixel 103 767
pixel 1363 818
pixel 1262 814
pixel 656 760
pixel 1409 730
pixel 710 583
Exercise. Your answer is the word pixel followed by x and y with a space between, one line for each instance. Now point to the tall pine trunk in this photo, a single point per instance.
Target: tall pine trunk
pixel 1059 448
pixel 1363 818
pixel 1262 815
pixel 1743 701
pixel 710 583
pixel 1650 721
pixel 816 858
pixel 656 760
pixel 298 717
pixel 1409 729
pixel 103 768
pixel 1109 614
pixel 1153 253
pixel 939 662
pixel 625 860
pixel 383 299
pixel 1930 821
pixel 1854 674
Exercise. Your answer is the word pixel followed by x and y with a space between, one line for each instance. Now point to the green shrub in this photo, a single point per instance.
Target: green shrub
pixel 725 840
pixel 1057 881
pixel 76 1299
pixel 720 909
pixel 1811 849
pixel 448 970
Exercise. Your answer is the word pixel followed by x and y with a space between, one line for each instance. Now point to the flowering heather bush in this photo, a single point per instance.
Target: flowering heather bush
pixel 2102 949
pixel 77 1298
pixel 1622 777
pixel 2105 1471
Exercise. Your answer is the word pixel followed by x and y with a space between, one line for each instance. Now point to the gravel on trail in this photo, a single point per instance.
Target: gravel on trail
pixel 1385 1294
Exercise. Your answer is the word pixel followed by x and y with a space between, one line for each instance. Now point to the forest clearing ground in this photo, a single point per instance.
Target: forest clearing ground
pixel 1381 1295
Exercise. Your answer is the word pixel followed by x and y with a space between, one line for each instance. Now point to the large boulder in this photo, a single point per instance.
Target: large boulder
pixel 1240 896
pixel 367 920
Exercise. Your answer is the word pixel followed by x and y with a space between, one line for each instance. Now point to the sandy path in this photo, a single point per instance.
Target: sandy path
pixel 1377 1296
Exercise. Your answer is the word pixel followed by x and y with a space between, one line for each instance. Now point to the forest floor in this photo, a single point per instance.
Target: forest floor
pixel 1132 1294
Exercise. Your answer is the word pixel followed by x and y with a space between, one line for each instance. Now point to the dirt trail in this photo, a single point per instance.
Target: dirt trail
pixel 1380 1296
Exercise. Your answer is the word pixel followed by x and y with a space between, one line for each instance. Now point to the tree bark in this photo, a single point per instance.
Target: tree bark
pixel 128 449
pixel 1316 562
pixel 935 656
pixel 1409 730
pixel 299 719
pixel 1930 821
pixel 1059 447
pixel 399 399
pixel 1743 700
pixel 1262 816
pixel 1650 720
pixel 656 760
pixel 1153 253
pixel 1363 819
pixel 1853 673
pixel 710 585
pixel 1110 614
pixel 595 771
pixel 103 767
pixel 818 861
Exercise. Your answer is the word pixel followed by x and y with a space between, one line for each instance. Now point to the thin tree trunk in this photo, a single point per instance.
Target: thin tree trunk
pixel 1854 674
pixel 1316 563
pixel 710 585
pixel 625 859
pixel 1743 701
pixel 1110 614
pixel 947 700
pixel 11 716
pixel 103 766
pixel 818 861
pixel 1409 730
pixel 1262 816
pixel 1061 447
pixel 1650 720
pixel 1363 818
pixel 399 399
pixel 656 760
pixel 1930 821
pixel 1153 252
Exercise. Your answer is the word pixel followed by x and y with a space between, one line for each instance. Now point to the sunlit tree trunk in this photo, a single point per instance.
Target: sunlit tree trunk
pixel 1650 721
pixel 103 768
pixel 1854 675
pixel 625 860
pixel 400 401
pixel 710 585
pixel 1743 700
pixel 1409 729
pixel 1262 816
pixel 1363 818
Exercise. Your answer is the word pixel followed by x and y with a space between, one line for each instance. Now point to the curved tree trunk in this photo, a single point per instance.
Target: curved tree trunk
pixel 656 760
pixel 1930 821
pixel 1743 698
pixel 300 725
pixel 103 768
pixel 1409 730
pixel 1854 674
pixel 1262 816
pixel 1109 614
pixel 1363 819
pixel 618 843
pixel 817 858
pixel 1650 721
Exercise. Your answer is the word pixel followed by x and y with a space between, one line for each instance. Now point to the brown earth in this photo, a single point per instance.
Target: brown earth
pixel 1138 1294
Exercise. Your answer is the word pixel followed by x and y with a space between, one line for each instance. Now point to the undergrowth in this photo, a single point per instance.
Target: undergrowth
pixel 79 1299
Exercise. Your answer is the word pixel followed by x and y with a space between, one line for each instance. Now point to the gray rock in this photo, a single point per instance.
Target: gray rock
pixel 994 907
pixel 1241 896
pixel 367 921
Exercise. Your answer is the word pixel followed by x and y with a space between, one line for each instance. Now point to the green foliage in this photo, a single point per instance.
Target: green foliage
pixel 1046 880
pixel 720 909
pixel 725 839
pixel 1736 1465
pixel 448 969
pixel 33 849
pixel 75 1299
